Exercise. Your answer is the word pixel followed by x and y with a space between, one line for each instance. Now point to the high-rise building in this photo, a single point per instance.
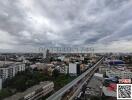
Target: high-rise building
pixel 74 69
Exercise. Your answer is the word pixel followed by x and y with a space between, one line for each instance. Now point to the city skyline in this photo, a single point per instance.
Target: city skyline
pixel 27 25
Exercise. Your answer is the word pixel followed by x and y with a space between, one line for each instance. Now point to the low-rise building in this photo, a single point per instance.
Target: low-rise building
pixel 41 66
pixel 61 58
pixel 112 72
pixel 98 76
pixel 35 92
pixel 109 93
pixel 102 69
pixel 50 71
pixel 66 59
pixel 63 69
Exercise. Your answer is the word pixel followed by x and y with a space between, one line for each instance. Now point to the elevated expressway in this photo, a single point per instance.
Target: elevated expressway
pixel 72 89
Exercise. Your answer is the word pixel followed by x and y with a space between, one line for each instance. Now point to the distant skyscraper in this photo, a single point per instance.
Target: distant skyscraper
pixel 46 54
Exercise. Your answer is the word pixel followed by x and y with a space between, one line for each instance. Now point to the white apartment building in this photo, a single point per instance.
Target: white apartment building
pixel 10 70
pixel 74 69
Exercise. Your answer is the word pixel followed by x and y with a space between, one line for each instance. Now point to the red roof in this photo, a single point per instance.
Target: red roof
pixel 112 87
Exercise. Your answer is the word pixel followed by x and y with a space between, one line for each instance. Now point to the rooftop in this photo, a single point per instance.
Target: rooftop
pixel 6 64
pixel 115 69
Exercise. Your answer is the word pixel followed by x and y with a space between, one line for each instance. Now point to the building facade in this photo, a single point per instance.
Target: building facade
pixel 9 71
pixel 74 69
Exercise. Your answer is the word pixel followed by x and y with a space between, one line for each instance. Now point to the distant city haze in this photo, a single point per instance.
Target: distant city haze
pixel 67 49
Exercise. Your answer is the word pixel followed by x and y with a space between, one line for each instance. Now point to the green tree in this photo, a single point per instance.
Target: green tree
pixel 20 83
pixel 5 93
pixel 56 73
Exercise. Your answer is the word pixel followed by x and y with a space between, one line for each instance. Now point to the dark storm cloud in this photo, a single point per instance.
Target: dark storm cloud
pixel 35 23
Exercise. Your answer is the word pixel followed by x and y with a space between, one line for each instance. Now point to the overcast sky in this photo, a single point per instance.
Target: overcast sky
pixel 102 24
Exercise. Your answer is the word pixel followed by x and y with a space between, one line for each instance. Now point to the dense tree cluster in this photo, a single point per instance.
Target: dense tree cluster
pixel 28 78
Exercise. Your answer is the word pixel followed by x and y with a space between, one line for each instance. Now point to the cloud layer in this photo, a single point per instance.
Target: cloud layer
pixel 103 24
